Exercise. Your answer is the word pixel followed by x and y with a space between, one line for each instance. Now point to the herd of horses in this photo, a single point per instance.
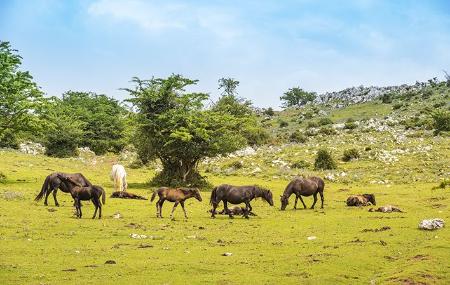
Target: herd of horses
pixel 81 189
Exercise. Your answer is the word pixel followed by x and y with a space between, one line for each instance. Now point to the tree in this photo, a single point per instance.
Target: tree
pixel 173 126
pixel 19 99
pixel 103 120
pixel 229 86
pixel 297 97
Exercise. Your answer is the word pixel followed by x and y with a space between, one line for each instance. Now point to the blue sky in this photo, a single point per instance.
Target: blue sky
pixel 269 46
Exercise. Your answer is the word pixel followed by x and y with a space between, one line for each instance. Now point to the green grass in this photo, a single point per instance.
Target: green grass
pixel 37 245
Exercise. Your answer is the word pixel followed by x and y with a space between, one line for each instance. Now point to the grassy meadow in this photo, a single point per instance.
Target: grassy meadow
pixel 47 245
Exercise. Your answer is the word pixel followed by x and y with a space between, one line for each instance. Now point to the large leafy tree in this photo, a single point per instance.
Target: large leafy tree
pixel 174 126
pixel 103 120
pixel 19 99
pixel 297 97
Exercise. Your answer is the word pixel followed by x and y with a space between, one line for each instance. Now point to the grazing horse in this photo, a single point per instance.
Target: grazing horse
pixel 303 187
pixel 80 193
pixel 119 176
pixel 52 183
pixel 178 196
pixel 361 200
pixel 237 195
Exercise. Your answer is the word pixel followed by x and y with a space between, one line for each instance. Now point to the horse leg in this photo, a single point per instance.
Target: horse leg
pixel 157 208
pixel 321 199
pixel 184 210
pixel 295 204
pixel 99 208
pixel 301 200
pixel 213 211
pixel 173 209
pixel 47 193
pixel 315 200
pixel 225 207
pixel 95 202
pixel 247 207
pixel 161 202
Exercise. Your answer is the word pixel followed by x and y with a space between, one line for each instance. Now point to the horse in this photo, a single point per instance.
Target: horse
pixel 361 200
pixel 236 195
pixel 177 195
pixel 235 211
pixel 126 195
pixel 119 176
pixel 52 183
pixel 303 187
pixel 80 193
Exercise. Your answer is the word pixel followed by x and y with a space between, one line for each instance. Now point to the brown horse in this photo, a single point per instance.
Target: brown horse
pixel 361 200
pixel 237 195
pixel 303 187
pixel 80 193
pixel 177 195
pixel 52 183
pixel 235 211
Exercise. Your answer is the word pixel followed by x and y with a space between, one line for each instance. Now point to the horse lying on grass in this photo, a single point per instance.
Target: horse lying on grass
pixel 80 193
pixel 235 211
pixel 178 196
pixel 126 195
pixel 361 200
pixel 237 195
pixel 303 187
pixel 52 183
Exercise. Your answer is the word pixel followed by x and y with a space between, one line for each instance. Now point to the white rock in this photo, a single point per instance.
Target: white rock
pixel 431 224
pixel 312 238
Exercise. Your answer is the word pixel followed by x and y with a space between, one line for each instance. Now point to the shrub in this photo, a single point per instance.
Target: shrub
pixel 386 98
pixel 350 124
pixel 2 177
pixel 441 121
pixel 324 160
pixel 327 131
pixel 308 115
pixel 269 112
pixel 312 124
pixel 350 154
pixel 325 121
pixel 397 106
pixel 367 148
pixel 283 124
pixel 443 184
pixel 236 164
pixel 297 137
pixel 300 164
pixel 426 93
pixel 310 133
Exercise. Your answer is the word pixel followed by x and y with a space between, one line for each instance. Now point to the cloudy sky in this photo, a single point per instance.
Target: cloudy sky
pixel 269 46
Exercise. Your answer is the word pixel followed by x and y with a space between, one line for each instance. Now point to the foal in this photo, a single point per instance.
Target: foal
pixel 80 193
pixel 178 196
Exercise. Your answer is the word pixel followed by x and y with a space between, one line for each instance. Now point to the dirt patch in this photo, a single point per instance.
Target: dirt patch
pixel 69 270
pixel 343 190
pixel 384 217
pixel 136 226
pixel 391 258
pixel 356 241
pixel 421 257
pixel 145 246
pixel 437 206
pixel 91 266
pixel 382 229
pixel 407 281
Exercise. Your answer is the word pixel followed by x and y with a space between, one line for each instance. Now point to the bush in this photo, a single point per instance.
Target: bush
pixel 350 124
pixel 397 106
pixel 443 184
pixel 350 154
pixel 387 98
pixel 283 124
pixel 312 124
pixel 325 121
pixel 308 115
pixel 310 133
pixel 426 93
pixel 441 121
pixel 2 177
pixel 300 164
pixel 269 112
pixel 236 164
pixel 324 160
pixel 327 131
pixel 297 137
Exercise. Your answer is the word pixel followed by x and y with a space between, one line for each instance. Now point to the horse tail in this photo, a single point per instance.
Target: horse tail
pixel 153 196
pixel 213 196
pixel 44 189
pixel 103 195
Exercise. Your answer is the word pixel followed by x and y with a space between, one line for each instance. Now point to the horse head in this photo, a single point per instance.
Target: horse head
pixel 196 193
pixel 284 202
pixel 370 198
pixel 267 194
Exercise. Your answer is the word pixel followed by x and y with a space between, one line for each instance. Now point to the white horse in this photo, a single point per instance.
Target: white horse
pixel 119 176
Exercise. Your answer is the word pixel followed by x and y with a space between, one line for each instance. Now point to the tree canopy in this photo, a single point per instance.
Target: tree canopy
pixel 297 97
pixel 174 126
pixel 20 97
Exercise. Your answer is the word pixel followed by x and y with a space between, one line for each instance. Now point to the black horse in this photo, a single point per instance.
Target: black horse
pixel 303 187
pixel 52 183
pixel 236 195
pixel 80 193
